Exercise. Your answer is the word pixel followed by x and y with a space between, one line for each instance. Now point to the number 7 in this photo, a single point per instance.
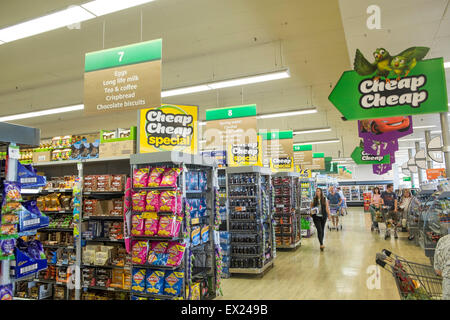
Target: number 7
pixel 121 54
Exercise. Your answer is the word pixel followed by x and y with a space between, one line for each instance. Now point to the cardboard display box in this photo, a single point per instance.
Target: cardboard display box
pixel 117 148
pixel 41 156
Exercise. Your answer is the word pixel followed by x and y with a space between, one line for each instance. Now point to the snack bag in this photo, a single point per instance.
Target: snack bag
pixel 11 192
pixel 8 229
pixel 137 225
pixel 176 252
pixel 140 177
pixel 168 201
pixel 152 201
pixel 179 210
pixel 138 200
pixel 154 180
pixel 7 249
pixel 177 226
pixel 154 281
pixel 193 207
pixel 159 246
pixel 202 181
pixel 205 234
pixel 166 225
pixel 138 280
pixel 157 253
pixel 151 223
pixel 170 177
pixel 139 252
pixel 195 236
pixel 6 292
pixel 158 259
pixel 173 283
pixel 192 180
pixel 11 207
pixel 10 218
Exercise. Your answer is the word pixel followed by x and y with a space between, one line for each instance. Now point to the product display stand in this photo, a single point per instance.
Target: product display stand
pixel 198 268
pixel 307 190
pixel 225 222
pixel 287 217
pixel 250 214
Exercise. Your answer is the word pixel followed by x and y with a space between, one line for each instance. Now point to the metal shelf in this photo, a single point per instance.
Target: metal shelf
pixel 104 240
pixel 252 270
pixel 105 266
pixel 120 218
pixel 149 295
pixel 147 266
pixel 55 230
pixel 106 288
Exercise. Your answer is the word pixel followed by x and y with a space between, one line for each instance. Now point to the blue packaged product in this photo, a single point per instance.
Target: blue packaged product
pixel 6 292
pixel 173 283
pixel 161 259
pixel 225 247
pixel 195 236
pixel 138 298
pixel 201 207
pixel 29 178
pixel 205 234
pixel 193 207
pixel 224 236
pixel 192 180
pixel 154 281
pixel 7 249
pixel 30 217
pixel 202 181
pixel 138 280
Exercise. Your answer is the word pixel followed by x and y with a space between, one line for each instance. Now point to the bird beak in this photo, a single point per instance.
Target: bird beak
pixel 396 64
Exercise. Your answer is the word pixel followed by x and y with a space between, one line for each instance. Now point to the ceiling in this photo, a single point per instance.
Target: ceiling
pixel 212 39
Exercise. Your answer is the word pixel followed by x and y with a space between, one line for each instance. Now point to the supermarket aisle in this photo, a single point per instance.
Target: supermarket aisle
pixel 341 272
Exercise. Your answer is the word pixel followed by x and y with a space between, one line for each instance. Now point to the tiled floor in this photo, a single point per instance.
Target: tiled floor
pixel 345 270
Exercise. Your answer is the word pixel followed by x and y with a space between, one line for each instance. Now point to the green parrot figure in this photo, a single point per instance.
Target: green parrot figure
pixel 382 65
pixel 401 66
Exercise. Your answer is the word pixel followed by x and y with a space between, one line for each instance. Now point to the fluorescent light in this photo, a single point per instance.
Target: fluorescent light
pixel 410 139
pixel 41 113
pixel 251 79
pixel 45 23
pixel 312 131
pixel 226 83
pixel 424 127
pixel 202 141
pixel 186 90
pixel 437 131
pixel 102 7
pixel 287 114
pixel 317 142
pixel 447 64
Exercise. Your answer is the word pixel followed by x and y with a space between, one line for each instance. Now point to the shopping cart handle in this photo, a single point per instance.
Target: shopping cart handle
pixel 380 262
pixel 387 252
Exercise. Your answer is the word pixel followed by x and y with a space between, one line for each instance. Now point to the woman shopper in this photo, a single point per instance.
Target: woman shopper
pixel 375 205
pixel 320 211
pixel 403 207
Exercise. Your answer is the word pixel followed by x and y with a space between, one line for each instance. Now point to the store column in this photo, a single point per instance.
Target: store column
pixel 419 171
pixel 410 155
pixel 427 141
pixel 445 139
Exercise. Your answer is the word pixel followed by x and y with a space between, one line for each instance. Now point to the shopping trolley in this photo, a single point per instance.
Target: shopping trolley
pixel 385 217
pixel 334 209
pixel 343 208
pixel 414 281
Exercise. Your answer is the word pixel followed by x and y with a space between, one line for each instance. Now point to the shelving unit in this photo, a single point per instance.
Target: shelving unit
pixel 195 257
pixel 307 190
pixel 354 190
pixel 287 217
pixel 250 215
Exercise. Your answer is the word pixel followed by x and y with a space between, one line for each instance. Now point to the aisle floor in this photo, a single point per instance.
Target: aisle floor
pixel 345 270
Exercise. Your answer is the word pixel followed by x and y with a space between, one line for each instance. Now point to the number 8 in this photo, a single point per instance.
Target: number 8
pixel 230 113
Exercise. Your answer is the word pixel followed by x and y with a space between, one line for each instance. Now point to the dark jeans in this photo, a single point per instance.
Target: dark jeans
pixel 320 222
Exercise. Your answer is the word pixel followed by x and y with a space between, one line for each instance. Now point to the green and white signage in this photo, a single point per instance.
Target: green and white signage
pixel 361 157
pixel 278 152
pixel 391 86
pixel 123 78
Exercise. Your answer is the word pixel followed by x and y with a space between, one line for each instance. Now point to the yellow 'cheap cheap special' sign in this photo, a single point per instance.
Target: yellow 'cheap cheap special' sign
pixel 168 128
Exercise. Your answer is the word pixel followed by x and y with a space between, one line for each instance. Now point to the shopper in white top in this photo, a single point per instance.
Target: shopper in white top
pixel 403 206
pixel 442 264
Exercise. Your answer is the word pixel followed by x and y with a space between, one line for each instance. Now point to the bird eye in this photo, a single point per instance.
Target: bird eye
pixel 375 54
pixel 381 51
pixel 403 61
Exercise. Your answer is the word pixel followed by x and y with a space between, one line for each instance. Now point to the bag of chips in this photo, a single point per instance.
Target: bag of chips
pixel 176 227
pixel 151 223
pixel 173 283
pixel 205 234
pixel 11 192
pixel 159 246
pixel 140 177
pixel 166 225
pixel 137 225
pixel 139 252
pixel 152 201
pixel 156 175
pixel 168 201
pixel 7 249
pixel 154 281
pixel 138 200
pixel 195 236
pixel 138 280
pixel 179 210
pixel 170 177
pixel 176 252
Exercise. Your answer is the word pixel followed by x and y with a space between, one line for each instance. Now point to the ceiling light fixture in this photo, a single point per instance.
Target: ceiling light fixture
pixel 287 113
pixel 435 132
pixel 41 113
pixel 46 23
pixel 410 139
pixel 102 7
pixel 312 131
pixel 317 142
pixel 424 127
pixel 252 79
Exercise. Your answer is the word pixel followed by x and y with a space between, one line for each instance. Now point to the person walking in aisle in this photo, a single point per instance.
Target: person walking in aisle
pixel 343 207
pixel 320 211
pixel 390 200
pixel 334 202
pixel 442 264
pixel 403 206
pixel 375 205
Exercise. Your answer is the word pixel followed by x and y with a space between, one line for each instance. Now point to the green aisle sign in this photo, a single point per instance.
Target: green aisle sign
pixel 231 112
pixel 406 178
pixel 423 90
pixel 360 157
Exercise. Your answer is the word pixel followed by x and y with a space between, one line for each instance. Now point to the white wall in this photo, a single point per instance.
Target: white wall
pixel 365 173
